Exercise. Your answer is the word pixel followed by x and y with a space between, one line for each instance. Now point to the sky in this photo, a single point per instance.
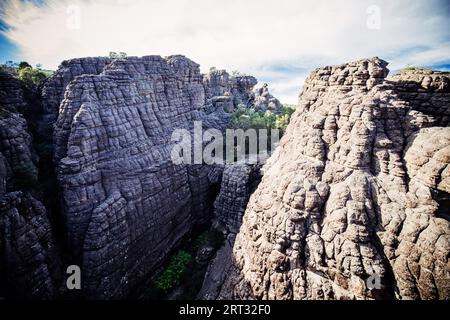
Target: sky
pixel 278 41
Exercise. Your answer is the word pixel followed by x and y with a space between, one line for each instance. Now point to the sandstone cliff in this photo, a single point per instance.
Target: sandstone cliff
pixel 357 190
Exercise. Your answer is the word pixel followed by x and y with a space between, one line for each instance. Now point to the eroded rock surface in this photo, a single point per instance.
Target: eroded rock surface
pixel 12 96
pixel 55 87
pixel 348 195
pixel 126 203
pixel 29 263
pixel 238 182
pixel 263 100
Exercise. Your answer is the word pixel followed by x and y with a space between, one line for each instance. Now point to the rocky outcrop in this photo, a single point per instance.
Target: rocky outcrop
pixel 218 83
pixel 12 96
pixel 238 182
pixel 125 202
pixel 29 263
pixel 263 100
pixel 345 208
pixel 425 91
pixel 15 146
pixel 55 87
pixel 226 92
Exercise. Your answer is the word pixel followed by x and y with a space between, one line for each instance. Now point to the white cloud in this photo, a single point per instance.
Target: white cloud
pixel 236 35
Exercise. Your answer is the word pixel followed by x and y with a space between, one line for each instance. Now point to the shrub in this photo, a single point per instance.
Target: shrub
pixel 245 118
pixel 26 74
pixel 24 65
pixel 32 77
pixel 172 274
pixel 38 76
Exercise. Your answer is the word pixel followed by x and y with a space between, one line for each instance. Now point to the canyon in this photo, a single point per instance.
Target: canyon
pixel 359 184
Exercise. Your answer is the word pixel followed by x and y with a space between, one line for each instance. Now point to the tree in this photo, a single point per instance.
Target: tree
pixel 24 65
pixel 38 76
pixel 26 74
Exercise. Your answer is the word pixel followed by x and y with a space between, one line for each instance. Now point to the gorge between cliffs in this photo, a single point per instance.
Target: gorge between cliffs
pixel 356 192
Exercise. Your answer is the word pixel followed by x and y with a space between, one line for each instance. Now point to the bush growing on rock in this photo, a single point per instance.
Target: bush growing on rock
pixel 175 270
pixel 246 118
pixel 32 77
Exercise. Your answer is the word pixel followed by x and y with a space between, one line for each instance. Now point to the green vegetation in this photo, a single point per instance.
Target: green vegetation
pixel 246 118
pixel 410 68
pixel 24 65
pixel 31 77
pixel 183 274
pixel 175 270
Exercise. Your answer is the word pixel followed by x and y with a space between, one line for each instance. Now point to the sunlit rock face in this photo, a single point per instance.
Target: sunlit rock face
pixel 354 194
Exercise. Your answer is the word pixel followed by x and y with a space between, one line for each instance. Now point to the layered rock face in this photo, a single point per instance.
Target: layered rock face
pixel 349 205
pixel 263 100
pixel 54 88
pixel 121 191
pixel 238 182
pixel 15 145
pixel 29 264
pixel 227 92
pixel 126 204
pixel 12 95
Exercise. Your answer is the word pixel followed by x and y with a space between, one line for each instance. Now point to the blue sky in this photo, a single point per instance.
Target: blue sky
pixel 278 41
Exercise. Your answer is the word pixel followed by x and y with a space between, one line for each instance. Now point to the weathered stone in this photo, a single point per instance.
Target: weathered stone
pixel 348 195
pixel 126 203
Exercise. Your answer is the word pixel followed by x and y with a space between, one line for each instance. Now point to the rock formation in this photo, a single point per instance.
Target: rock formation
pixel 12 95
pixel 238 182
pixel 349 204
pixel 125 202
pixel 29 265
pixel 358 189
pixel 121 191
pixel 263 100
